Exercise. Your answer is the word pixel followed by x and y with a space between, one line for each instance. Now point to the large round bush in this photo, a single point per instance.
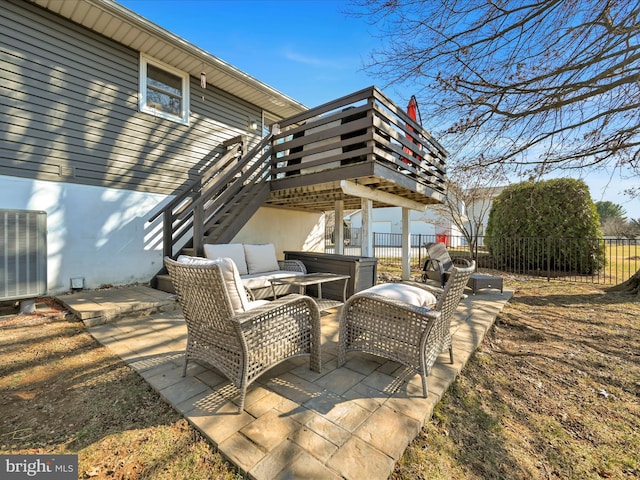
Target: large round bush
pixel 551 225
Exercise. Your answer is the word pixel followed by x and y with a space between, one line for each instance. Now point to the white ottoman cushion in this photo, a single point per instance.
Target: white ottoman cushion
pixel 405 293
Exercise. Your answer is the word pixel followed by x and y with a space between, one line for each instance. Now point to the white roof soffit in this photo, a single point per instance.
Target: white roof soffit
pixel 126 27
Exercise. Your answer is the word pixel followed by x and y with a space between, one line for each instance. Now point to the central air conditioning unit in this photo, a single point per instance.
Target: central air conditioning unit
pixel 23 254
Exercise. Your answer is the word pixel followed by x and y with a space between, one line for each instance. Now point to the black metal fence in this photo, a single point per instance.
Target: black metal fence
pixel 608 261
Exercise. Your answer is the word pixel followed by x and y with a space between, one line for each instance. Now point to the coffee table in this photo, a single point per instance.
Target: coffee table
pixel 480 280
pixel 302 281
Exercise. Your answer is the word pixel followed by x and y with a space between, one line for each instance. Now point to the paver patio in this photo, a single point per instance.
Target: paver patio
pixel 352 422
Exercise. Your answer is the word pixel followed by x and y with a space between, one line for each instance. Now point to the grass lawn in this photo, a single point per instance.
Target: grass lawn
pixel 622 262
pixel 553 392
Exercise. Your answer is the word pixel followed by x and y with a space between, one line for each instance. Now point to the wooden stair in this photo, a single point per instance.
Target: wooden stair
pixel 216 206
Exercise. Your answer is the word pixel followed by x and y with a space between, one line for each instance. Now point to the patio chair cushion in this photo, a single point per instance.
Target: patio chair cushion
pixel 234 251
pixel 405 293
pixel 261 258
pixel 235 288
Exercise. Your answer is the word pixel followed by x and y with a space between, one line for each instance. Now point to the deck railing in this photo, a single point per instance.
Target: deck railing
pixel 208 201
pixel 362 127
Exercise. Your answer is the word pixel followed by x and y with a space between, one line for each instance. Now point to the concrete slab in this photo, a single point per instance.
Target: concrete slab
pixel 96 307
pixel 357 459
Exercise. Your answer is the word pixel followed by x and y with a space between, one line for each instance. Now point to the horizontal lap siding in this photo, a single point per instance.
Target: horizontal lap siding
pixel 69 108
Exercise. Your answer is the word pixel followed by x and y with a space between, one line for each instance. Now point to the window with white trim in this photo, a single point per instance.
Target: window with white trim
pixel 164 91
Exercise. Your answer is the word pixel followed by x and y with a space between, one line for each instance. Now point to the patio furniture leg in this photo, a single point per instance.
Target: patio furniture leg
pixel 186 358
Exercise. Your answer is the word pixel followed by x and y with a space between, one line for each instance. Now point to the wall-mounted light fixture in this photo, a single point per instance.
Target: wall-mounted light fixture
pixel 203 79
pixel 252 124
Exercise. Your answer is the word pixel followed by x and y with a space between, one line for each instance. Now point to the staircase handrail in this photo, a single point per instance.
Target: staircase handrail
pixel 208 173
pixel 225 179
pixel 196 208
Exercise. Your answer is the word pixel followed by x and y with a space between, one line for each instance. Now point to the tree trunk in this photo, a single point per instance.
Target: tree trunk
pixel 632 285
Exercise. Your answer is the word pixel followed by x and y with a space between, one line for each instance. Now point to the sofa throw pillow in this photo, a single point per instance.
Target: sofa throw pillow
pixel 405 293
pixel 230 275
pixel 261 258
pixel 234 251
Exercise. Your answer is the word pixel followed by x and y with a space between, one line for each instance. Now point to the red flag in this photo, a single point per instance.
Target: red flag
pixel 412 111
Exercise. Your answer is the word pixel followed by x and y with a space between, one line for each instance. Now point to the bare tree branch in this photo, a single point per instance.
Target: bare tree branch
pixel 540 84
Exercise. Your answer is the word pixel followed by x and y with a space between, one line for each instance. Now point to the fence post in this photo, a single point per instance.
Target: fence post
pixel 373 246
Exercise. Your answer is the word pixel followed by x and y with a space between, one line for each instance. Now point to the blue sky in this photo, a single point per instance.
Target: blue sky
pixel 309 50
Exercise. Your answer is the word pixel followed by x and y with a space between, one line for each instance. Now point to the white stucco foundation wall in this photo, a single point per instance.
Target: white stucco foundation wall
pixel 102 235
pixel 286 229
pixel 99 234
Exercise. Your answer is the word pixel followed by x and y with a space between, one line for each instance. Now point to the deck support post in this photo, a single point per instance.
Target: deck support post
pixel 338 229
pixel 406 245
pixel 367 227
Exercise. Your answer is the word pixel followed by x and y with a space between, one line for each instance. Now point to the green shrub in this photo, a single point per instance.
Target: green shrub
pixel 549 225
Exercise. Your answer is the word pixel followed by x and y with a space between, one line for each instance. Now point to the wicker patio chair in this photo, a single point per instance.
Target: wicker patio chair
pixel 402 332
pixel 241 339
pixel 439 264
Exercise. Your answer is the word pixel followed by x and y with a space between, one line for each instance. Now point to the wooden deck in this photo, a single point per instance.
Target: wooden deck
pixel 361 139
pixel 357 147
pixel 320 191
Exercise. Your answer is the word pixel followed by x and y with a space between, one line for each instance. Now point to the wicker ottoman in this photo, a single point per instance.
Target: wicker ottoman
pixel 480 280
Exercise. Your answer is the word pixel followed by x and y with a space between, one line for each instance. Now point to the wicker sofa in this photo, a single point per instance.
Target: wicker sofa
pixel 257 264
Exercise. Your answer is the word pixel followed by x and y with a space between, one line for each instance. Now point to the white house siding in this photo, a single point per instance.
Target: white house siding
pixel 389 220
pixel 72 143
pixel 421 227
